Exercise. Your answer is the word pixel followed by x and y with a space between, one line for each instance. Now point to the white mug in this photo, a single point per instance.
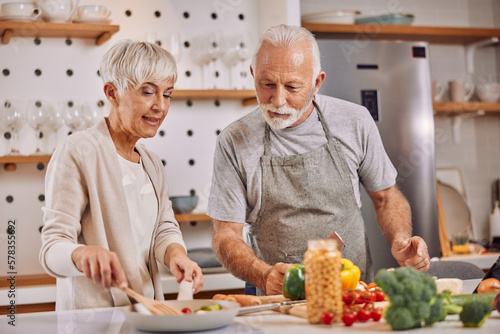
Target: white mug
pixel 20 9
pixel 460 90
pixel 95 12
pixel 438 90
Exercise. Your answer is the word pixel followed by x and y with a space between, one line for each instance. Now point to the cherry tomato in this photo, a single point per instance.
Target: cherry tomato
pixel 186 310
pixel 376 314
pixel 379 296
pixel 364 315
pixel 349 318
pixel 327 317
pixel 348 297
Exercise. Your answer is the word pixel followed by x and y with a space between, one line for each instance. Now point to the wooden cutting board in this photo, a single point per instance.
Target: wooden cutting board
pixel 273 299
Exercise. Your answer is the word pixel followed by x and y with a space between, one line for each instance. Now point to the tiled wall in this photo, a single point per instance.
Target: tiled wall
pixel 477 152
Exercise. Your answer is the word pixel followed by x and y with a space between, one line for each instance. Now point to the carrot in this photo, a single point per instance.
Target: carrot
pixel 247 300
pixel 364 285
pixel 372 285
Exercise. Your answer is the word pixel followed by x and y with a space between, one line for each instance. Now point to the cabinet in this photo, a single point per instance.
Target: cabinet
pixel 437 35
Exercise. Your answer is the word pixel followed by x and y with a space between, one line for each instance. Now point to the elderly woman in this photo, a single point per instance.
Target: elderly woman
pixel 108 215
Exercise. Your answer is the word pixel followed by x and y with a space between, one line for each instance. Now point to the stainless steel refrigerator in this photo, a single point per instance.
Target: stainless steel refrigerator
pixel 391 79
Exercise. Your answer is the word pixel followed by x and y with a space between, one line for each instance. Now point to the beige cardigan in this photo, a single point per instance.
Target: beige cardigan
pixel 85 205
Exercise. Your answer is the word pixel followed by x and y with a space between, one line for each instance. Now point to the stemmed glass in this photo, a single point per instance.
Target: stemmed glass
pixel 207 50
pixel 37 116
pixel 14 117
pixel 238 52
pixel 173 44
pixel 92 114
pixel 73 116
pixel 55 119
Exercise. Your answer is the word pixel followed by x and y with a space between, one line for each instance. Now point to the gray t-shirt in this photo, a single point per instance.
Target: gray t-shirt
pixel 235 195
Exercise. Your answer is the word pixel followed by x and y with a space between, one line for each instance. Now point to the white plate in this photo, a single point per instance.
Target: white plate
pixel 184 322
pixel 332 16
pixel 18 18
pixel 92 21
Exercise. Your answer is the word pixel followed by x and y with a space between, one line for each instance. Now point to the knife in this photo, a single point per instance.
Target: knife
pixel 267 307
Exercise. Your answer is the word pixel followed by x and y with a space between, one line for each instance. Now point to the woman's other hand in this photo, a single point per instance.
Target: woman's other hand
pixel 182 267
pixel 100 265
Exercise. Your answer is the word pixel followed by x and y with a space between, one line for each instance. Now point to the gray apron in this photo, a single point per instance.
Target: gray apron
pixel 308 196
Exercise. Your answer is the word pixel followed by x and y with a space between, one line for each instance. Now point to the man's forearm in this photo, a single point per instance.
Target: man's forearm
pixel 393 214
pixel 236 256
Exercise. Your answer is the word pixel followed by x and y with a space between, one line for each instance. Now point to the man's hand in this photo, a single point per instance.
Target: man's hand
pixel 275 276
pixel 100 265
pixel 411 252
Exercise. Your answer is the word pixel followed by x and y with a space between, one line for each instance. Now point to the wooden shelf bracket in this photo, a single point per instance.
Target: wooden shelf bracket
pixel 7 36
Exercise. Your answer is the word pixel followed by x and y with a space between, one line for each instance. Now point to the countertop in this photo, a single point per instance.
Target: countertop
pixel 112 320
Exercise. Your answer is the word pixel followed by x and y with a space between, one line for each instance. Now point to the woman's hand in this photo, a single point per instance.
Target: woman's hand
pixel 100 265
pixel 182 267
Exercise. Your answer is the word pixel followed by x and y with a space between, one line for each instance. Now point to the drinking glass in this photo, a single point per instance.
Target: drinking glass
pixel 55 120
pixel 92 113
pixel 37 116
pixel 173 44
pixel 73 116
pixel 14 117
pixel 207 49
pixel 238 51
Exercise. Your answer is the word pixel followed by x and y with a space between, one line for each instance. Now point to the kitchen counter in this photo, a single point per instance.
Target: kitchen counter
pixel 483 261
pixel 112 320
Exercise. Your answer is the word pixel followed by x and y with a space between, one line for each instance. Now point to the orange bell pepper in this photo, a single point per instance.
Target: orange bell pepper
pixel 349 275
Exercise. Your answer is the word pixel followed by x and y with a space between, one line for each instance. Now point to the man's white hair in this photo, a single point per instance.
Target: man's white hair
pixel 129 64
pixel 287 35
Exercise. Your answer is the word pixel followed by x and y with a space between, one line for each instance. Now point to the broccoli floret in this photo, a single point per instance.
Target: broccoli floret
pixel 437 312
pixel 401 318
pixel 475 313
pixel 412 295
pixel 449 307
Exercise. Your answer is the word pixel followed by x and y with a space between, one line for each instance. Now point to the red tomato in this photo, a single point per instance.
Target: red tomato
pixel 327 317
pixel 349 318
pixel 379 296
pixel 364 315
pixel 348 297
pixel 186 310
pixel 376 314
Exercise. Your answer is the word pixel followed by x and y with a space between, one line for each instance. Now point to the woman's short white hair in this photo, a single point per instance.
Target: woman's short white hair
pixel 287 35
pixel 129 64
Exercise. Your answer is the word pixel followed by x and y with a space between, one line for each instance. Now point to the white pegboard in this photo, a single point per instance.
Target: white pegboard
pixel 55 56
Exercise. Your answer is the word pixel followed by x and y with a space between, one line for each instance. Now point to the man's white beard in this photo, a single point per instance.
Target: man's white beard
pixel 281 123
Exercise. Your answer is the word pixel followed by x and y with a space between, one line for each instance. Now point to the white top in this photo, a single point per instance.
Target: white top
pixel 142 208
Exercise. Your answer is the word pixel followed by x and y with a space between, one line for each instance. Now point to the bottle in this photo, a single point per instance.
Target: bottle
pixel 322 262
pixel 495 222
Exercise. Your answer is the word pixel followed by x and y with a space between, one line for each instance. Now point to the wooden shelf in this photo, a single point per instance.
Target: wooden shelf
pixel 192 217
pixel 438 35
pixel 453 108
pixel 246 95
pixel 100 32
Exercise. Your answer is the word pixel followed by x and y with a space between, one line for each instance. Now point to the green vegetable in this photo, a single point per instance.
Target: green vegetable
pixel 461 300
pixel 412 296
pixel 293 283
pixel 449 306
pixel 214 307
pixel 475 313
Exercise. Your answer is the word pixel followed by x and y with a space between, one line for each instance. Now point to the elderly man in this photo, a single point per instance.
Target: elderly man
pixel 290 171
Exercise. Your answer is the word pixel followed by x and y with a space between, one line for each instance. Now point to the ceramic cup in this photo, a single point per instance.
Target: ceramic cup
pixel 438 90
pixel 94 12
pixel 460 90
pixel 20 9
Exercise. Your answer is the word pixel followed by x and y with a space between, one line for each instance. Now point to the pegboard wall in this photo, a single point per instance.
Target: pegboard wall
pixel 58 69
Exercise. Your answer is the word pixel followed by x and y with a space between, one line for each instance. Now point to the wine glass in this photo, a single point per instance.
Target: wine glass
pixel 173 44
pixel 73 116
pixel 14 117
pixel 55 119
pixel 238 51
pixel 92 113
pixel 208 49
pixel 37 116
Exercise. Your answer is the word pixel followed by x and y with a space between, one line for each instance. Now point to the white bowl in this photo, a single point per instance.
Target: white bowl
pixel 489 92
pixel 332 16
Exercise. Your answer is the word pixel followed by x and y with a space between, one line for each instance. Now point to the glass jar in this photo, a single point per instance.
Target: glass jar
pixel 323 286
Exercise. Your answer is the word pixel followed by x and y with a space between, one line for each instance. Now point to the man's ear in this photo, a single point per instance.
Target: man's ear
pixel 319 81
pixel 111 93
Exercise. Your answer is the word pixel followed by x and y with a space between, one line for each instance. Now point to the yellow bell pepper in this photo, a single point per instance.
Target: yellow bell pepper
pixel 349 275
